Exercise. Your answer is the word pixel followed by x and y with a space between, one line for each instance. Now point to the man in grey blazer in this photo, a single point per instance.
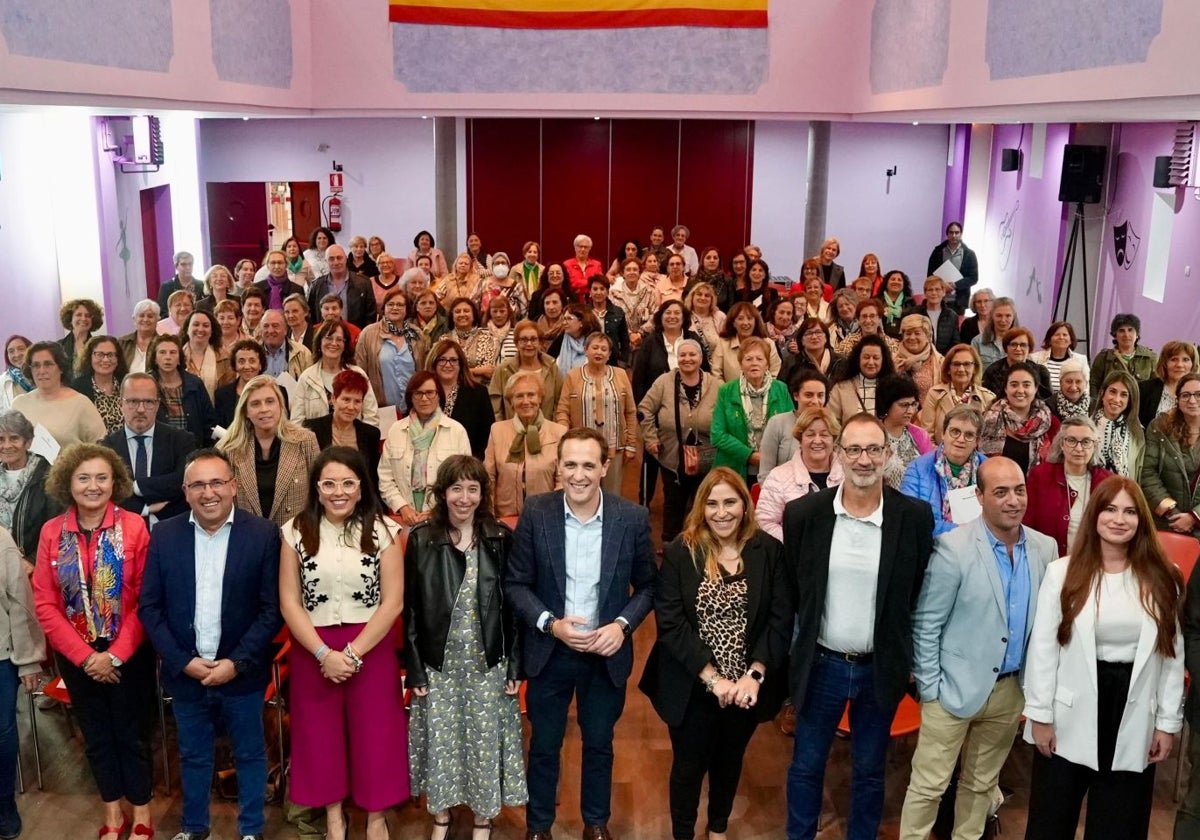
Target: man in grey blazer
pixel 970 633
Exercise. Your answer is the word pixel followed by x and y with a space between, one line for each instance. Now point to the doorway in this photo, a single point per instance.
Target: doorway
pixel 158 240
pixel 248 218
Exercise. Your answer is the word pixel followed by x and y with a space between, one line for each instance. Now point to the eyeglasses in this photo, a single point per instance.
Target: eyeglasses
pixel 875 451
pixel 100 354
pixel 42 365
pixel 814 334
pixel 448 361
pixel 907 405
pixel 527 339
pixel 201 486
pixel 957 434
pixel 133 402
pixel 1189 396
pixel 328 486
pixel 962 364
pixel 333 339
pixel 425 395
pixel 1018 345
pixel 1078 443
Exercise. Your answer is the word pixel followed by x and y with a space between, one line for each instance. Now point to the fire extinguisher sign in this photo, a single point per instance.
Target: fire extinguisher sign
pixel 335 183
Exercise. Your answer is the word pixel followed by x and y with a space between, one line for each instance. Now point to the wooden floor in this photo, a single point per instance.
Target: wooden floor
pixel 69 807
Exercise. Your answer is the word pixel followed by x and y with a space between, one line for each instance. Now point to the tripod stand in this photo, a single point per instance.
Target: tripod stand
pixel 1077 243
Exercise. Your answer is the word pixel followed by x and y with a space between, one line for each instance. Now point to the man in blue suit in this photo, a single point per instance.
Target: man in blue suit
pixel 210 605
pixel 581 578
pixel 970 634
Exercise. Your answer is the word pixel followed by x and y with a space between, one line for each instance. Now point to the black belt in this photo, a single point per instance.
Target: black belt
pixel 852 658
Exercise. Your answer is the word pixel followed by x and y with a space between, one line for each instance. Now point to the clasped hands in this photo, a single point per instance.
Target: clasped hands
pixel 603 641
pixel 743 693
pixel 210 672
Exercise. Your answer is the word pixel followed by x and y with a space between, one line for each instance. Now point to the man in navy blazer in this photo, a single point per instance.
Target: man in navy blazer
pixel 158 494
pixel 210 606
pixel 581 579
pixel 858 554
pixel 970 634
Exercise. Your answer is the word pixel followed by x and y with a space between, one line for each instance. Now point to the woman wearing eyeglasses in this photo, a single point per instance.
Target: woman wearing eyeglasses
pixel 341 589
pixel 896 404
pixel 1172 459
pixel 391 351
pixel 466 400
pixel 952 467
pixel 1059 488
pixel 529 359
pixel 522 451
pixel 101 366
pixel 961 385
pixel 314 392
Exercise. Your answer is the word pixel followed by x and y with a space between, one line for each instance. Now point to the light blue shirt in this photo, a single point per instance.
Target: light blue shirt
pixel 1014 578
pixel 276 361
pixel 396 367
pixel 584 541
pixel 210 553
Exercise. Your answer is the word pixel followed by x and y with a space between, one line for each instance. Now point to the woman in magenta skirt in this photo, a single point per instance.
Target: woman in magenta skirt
pixel 341 588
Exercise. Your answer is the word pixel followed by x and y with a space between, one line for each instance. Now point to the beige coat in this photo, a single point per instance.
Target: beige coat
pixel 312 401
pixel 291 478
pixel 940 399
pixel 366 356
pixel 552 383
pixel 395 467
pixel 512 483
pixel 657 410
pixel 570 405
pixel 725 364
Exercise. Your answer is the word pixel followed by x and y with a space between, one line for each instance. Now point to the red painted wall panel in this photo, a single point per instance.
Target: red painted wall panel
pixel 645 155
pixel 716 170
pixel 574 186
pixel 503 190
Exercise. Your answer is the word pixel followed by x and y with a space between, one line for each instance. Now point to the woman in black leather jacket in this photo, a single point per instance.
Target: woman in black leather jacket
pixel 462 654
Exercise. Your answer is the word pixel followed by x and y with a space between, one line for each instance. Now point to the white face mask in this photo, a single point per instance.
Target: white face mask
pixel 500 270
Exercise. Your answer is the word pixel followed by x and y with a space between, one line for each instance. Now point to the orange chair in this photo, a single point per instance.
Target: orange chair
pixel 1183 549
pixel 906 722
pixel 55 689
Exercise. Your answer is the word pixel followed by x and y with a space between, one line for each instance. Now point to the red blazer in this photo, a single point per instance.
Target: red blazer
pixel 578 277
pixel 1049 509
pixel 48 598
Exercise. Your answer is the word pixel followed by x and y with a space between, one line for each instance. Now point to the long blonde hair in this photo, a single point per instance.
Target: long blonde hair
pixel 699 538
pixel 241 430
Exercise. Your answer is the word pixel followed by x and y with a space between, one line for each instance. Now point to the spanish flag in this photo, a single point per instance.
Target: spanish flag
pixel 581 14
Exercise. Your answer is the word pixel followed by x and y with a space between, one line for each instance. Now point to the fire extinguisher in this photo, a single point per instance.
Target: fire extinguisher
pixel 333 213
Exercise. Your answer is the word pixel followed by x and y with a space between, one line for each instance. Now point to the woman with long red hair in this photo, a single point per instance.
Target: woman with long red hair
pixel 1104 673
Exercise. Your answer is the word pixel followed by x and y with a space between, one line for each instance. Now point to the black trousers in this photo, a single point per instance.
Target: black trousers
pixel 116 721
pixel 710 741
pixel 1118 802
pixel 679 492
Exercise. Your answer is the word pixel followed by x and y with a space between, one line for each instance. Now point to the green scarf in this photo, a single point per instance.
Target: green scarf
pixel 524 442
pixel 422 441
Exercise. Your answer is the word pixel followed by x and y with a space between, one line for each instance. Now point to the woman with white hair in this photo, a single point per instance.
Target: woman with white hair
pixel 145 327
pixel 1072 398
pixel 522 452
pixel 1060 487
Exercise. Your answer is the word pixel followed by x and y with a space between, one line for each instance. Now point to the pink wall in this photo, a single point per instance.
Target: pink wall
pixel 954 200
pixel 1122 288
pixel 1019 252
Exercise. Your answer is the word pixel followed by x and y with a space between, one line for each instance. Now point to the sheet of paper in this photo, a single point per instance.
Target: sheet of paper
pixel 387 416
pixel 44 443
pixel 290 386
pixel 964 505
pixel 948 272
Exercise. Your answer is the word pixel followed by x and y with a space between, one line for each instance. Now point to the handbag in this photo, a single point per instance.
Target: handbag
pixel 695 458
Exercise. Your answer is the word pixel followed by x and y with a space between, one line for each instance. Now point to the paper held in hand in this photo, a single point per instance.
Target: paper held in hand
pixel 964 505
pixel 948 272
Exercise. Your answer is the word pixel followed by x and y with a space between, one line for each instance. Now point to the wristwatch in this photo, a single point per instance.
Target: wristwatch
pixel 625 628
pixel 548 623
pixel 116 660
pixel 755 674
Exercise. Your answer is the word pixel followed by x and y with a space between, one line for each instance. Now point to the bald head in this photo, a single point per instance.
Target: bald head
pixel 1000 488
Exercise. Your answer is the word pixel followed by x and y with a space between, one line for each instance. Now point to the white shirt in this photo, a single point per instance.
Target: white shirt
pixel 1118 617
pixel 210 553
pixel 848 622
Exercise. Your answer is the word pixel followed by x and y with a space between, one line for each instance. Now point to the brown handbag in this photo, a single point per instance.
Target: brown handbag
pixel 695 458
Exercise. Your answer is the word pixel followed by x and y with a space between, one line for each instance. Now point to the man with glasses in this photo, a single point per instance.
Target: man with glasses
pixel 210 606
pixel 154 452
pixel 970 633
pixel 952 250
pixel 858 554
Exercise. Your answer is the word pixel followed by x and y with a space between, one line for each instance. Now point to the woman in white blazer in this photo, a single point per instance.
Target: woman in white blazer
pixel 315 383
pixel 1104 674
pixel 416 445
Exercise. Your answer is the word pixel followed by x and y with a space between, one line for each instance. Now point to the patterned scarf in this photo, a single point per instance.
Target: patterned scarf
pixel 754 403
pixel 1000 423
pixel 1067 409
pixel 965 477
pixel 93 606
pixel 14 373
pixel 1114 443
pixel 422 441
pixel 524 442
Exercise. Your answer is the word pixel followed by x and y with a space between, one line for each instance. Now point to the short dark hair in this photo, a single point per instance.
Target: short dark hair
pixel 214 338
pixel 416 381
pixel 312 237
pixel 807 374
pixel 891 390
pixel 1125 319
pixel 583 433
pixel 417 239
pixel 1028 367
pixel 954 224
pixel 54 349
pixel 1055 327
pixel 328 327
pixel 248 344
pixel 254 292
pixel 598 278
pixel 207 452
pixel 476 316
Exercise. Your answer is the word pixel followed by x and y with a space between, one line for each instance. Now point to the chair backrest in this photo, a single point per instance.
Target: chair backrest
pixel 1183 549
pixel 755 490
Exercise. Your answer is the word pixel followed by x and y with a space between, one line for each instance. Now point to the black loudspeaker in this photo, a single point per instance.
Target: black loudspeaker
pixel 1162 172
pixel 1010 160
pixel 1082 174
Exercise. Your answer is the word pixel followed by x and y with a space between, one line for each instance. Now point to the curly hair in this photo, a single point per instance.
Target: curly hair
pixel 83 361
pixel 67 311
pixel 58 482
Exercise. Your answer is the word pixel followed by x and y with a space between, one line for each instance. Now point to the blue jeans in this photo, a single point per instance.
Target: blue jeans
pixel 241 717
pixel 8 738
pixel 831 683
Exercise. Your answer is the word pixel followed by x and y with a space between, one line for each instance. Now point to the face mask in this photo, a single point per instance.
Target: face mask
pixel 500 270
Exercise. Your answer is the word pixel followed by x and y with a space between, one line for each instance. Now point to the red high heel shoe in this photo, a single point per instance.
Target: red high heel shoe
pixel 119 830
pixel 142 830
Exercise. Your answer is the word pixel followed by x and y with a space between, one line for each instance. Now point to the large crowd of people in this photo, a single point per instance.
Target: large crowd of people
pixel 867 495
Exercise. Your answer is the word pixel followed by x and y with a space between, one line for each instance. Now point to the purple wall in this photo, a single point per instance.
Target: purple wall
pixel 1121 286
pixel 1025 225
pixel 954 202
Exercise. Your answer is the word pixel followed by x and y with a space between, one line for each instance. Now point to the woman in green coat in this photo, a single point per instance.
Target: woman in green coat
pixel 744 405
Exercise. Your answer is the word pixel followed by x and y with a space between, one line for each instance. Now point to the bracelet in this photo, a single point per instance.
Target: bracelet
pixel 711 682
pixel 354 658
pixel 321 651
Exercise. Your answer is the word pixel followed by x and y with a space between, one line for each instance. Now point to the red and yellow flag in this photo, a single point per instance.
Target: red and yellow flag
pixel 581 14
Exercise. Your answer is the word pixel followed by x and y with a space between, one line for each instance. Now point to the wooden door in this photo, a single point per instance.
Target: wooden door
pixel 158 242
pixel 306 209
pixel 237 222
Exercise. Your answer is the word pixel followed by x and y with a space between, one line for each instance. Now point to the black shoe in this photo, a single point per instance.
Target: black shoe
pixel 10 826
